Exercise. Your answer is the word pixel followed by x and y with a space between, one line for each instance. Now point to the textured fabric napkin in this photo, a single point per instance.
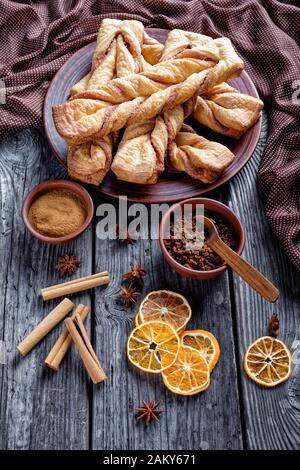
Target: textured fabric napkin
pixel 36 38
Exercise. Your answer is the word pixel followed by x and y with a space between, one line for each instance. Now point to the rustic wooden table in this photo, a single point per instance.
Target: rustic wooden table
pixel 42 409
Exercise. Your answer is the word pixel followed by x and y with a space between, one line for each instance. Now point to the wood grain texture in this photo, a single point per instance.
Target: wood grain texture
pixel 209 420
pixel 44 409
pixel 40 408
pixel 272 417
pixel 240 266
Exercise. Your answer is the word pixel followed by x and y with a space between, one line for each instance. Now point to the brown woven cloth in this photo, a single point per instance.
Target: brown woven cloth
pixel 37 38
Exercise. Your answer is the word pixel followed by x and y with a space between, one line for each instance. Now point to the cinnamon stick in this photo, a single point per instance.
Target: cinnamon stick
pixel 85 338
pixel 77 285
pixel 64 341
pixel 46 325
pixel 74 281
pixel 93 366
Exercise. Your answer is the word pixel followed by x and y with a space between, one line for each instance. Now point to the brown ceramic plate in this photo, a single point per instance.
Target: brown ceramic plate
pixel 172 186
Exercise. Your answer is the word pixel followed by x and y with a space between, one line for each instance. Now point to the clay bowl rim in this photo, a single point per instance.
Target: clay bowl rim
pixel 224 210
pixel 57 184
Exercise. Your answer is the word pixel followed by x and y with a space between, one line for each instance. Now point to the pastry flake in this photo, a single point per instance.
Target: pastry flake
pixel 91 161
pixel 198 157
pixel 227 111
pixel 140 155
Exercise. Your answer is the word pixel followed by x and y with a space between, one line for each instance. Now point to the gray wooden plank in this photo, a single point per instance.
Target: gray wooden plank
pixel 40 409
pixel 36 409
pixel 272 417
pixel 210 420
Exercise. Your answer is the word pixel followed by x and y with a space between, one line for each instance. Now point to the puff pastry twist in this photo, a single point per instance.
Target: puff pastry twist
pixel 140 157
pixel 141 154
pixel 198 157
pixel 118 53
pixel 151 49
pixel 189 46
pixel 83 119
pixel 227 111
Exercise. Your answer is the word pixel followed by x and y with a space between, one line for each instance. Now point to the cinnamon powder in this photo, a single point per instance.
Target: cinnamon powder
pixel 57 213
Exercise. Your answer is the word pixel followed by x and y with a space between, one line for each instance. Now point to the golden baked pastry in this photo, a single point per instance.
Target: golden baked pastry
pixel 143 84
pixel 229 65
pixel 141 153
pixel 80 86
pixel 108 62
pixel 198 157
pixel 132 34
pixel 227 111
pixel 181 44
pixel 151 49
pixel 159 77
pixel 149 89
pixel 140 156
pixel 79 120
pixel 89 162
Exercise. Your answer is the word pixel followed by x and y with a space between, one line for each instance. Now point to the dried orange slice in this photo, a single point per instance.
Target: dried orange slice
pixel 153 346
pixel 205 343
pixel 138 320
pixel 166 306
pixel 268 361
pixel 189 374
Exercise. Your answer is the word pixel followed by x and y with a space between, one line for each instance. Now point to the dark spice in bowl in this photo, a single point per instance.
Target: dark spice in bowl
pixel 203 259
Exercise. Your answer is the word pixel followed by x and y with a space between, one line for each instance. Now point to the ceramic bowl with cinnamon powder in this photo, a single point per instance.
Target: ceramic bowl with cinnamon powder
pixel 57 211
pixel 202 263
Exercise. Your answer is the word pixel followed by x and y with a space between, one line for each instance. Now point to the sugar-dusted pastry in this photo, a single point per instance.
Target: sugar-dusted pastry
pixel 227 111
pixel 141 153
pixel 179 44
pixel 229 65
pixel 140 156
pixel 89 162
pixel 108 62
pixel 198 157
pixel 77 126
pixel 182 44
pixel 151 49
pixel 80 86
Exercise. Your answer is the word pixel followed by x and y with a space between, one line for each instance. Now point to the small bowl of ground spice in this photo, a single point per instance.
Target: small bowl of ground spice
pixel 179 248
pixel 57 211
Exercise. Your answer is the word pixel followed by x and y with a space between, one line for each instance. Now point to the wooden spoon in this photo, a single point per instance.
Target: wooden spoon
pixel 253 277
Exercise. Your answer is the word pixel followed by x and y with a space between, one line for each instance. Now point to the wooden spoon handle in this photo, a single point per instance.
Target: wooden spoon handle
pixel 253 277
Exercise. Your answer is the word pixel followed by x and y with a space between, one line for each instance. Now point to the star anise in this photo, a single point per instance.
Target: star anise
pixel 129 294
pixel 149 412
pixel 274 326
pixel 124 236
pixel 136 275
pixel 67 264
